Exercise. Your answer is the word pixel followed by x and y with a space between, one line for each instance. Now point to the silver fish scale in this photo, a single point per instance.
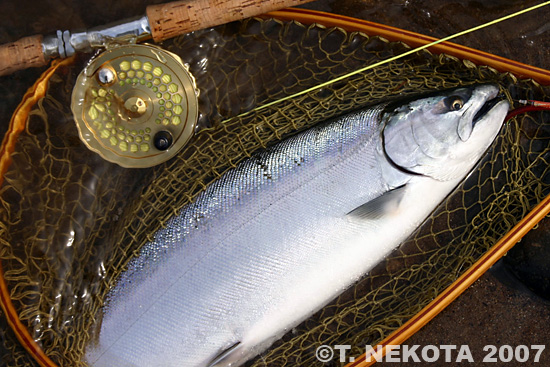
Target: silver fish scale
pixel 201 252
pixel 305 151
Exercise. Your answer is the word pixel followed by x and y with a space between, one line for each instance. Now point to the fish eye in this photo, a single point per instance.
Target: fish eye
pixel 455 103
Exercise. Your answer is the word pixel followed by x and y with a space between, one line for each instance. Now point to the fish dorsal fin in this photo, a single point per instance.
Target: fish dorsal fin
pixel 227 356
pixel 386 204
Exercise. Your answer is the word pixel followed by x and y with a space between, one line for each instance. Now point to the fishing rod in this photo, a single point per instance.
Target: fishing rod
pixel 160 23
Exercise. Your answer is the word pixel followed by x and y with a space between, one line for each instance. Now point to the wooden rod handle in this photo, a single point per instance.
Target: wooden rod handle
pixel 24 53
pixel 179 17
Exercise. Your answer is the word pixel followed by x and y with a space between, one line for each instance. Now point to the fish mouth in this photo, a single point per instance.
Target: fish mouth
pixel 487 106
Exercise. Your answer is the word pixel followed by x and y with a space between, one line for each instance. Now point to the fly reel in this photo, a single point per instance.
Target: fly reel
pixel 135 105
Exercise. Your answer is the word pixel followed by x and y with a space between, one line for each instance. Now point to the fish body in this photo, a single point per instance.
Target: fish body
pixel 286 231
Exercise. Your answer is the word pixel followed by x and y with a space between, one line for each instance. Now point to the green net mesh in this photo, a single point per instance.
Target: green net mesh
pixel 70 221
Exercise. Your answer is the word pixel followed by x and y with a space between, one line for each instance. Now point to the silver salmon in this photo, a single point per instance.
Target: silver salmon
pixel 289 229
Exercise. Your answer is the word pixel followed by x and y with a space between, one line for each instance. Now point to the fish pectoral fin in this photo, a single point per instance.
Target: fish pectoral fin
pixel 386 204
pixel 452 171
pixel 228 356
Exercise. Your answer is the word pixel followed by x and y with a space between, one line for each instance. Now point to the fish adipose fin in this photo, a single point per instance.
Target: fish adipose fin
pixel 386 204
pixel 228 356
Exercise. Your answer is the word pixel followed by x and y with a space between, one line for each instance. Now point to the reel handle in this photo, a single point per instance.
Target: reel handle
pixel 24 53
pixel 179 17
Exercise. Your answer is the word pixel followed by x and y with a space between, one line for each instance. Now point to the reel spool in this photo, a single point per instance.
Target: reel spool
pixel 135 105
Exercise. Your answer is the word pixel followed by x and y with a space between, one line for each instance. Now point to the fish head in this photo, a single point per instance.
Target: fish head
pixel 443 135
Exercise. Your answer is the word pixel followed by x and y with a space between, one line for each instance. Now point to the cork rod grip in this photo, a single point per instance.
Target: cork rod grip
pixel 24 53
pixel 179 17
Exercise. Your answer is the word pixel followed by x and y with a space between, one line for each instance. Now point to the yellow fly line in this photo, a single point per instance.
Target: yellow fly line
pixel 397 57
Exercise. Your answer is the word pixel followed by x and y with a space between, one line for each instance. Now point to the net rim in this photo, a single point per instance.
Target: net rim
pixel 327 20
pixel 18 123
pixel 413 39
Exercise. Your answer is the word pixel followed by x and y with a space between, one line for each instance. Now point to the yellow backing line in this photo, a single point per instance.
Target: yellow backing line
pixel 17 125
pixel 459 286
